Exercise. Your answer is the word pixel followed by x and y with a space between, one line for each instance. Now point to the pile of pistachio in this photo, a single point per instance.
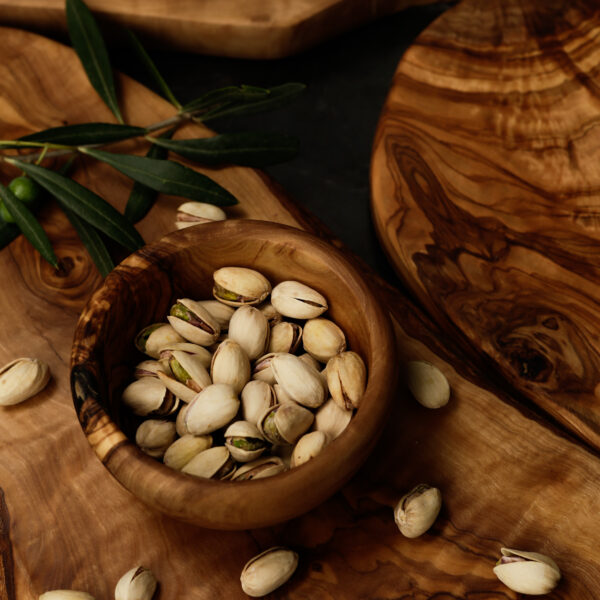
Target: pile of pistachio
pixel 242 387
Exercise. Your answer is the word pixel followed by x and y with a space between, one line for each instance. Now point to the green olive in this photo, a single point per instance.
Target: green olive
pixel 26 190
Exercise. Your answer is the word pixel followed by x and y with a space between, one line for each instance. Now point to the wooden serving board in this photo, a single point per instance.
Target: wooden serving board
pixel 507 477
pixel 237 28
pixel 486 192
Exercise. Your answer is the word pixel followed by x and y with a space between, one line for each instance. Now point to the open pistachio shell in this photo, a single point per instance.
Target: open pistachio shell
pixel 268 571
pixel 152 339
pixel 346 379
pixel 230 365
pixel 149 396
pixel 244 441
pixel 299 381
pixel 237 286
pixel 150 368
pixel 256 397
pixel 265 466
pixel 192 321
pixel 285 423
pixel 189 376
pixel 285 337
pixel 221 312
pixel 195 349
pixel 138 583
pixel 211 409
pixel 194 213
pixel 21 379
pixel 262 368
pixel 214 463
pixel 527 572
pixel 154 436
pixel 297 301
pixel 181 451
pixel 416 511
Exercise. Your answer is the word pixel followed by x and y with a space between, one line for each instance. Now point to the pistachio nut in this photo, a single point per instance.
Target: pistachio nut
pixel 230 365
pixel 149 397
pixel 182 450
pixel 281 395
pixel 285 337
pixel 285 423
pixel 152 339
pixel 221 312
pixel 211 409
pixel 262 368
pixel 427 384
pixel 21 379
pixel 310 361
pixel 250 329
pixel 299 381
pixel 346 379
pixel 189 376
pixel 323 339
pixel 527 572
pixel 194 349
pixel 267 309
pixel 66 595
pixel 309 446
pixel 138 583
pixel 180 426
pixel 154 436
pixel 214 463
pixel 256 397
pixel 244 441
pixel 193 213
pixel 416 511
pixel 149 368
pixel 332 419
pixel 268 571
pixel 265 466
pixel 297 301
pixel 237 286
pixel 191 320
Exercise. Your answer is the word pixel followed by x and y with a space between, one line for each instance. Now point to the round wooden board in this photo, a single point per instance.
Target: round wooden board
pixel 486 192
pixel 507 477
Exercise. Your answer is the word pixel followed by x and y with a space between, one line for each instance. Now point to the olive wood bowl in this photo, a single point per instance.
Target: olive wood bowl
pixel 141 290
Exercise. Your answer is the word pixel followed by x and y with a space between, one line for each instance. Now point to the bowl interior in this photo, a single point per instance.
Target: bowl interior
pixel 141 291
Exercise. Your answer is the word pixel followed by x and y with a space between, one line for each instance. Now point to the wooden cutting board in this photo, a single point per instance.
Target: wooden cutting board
pixel 507 476
pixel 486 192
pixel 237 28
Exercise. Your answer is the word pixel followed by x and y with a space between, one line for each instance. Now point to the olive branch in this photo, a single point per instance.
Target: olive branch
pixel 92 217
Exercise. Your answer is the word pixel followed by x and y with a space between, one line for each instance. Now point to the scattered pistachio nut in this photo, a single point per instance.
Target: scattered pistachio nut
pixel 194 213
pixel 138 583
pixel 309 446
pixel 21 379
pixel 182 450
pixel 267 571
pixel 416 511
pixel 427 384
pixel 527 572
pixel 66 595
pixel 152 339
pixel 297 300
pixel 192 321
pixel 237 286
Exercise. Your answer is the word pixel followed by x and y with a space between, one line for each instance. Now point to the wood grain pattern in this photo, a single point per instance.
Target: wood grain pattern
pixel 507 477
pixel 236 28
pixel 486 192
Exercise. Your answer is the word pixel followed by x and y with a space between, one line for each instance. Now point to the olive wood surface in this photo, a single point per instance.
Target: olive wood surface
pixel 486 192
pixel 508 478
pixel 236 28
pixel 140 292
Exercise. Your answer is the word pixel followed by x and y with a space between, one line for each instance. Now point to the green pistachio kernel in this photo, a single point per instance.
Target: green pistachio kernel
pixel 144 334
pixel 270 428
pixel 247 443
pixel 181 312
pixel 180 373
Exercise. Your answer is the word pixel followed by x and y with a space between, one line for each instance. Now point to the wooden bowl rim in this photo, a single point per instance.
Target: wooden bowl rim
pixel 117 452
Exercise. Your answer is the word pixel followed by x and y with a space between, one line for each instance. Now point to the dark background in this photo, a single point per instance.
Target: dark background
pixel 335 118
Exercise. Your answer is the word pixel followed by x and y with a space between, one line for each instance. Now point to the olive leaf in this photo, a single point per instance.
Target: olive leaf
pixel 89 45
pixel 92 241
pixel 85 133
pixel 28 225
pixel 85 204
pixel 151 68
pixel 251 149
pixel 166 176
pixel 142 198
pixel 231 94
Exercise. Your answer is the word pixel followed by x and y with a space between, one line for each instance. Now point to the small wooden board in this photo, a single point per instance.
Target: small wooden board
pixel 507 477
pixel 236 28
pixel 486 192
